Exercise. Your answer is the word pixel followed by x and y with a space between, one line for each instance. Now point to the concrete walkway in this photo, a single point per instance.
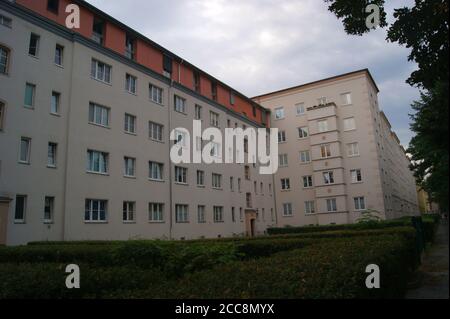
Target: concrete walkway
pixel 433 272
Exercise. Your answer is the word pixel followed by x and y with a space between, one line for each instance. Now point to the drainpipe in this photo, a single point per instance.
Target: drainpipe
pixel 169 110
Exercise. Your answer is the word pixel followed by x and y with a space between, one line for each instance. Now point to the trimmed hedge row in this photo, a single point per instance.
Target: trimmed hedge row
pixel 329 269
pixel 305 268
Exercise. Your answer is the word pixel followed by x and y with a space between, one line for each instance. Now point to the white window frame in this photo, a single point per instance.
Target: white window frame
pixel 218 214
pixel 216 181
pixel 156 131
pixel 127 161
pixel 354 174
pixel 300 109
pixel 305 157
pixel 359 203
pixel 353 149
pixel 129 212
pixel 200 178
pixel 201 214
pixel 308 181
pixel 52 152
pixel 279 113
pixel 101 71
pixel 287 210
pixel 181 172
pixel 303 132
pixel 181 213
pixel 26 159
pixel 130 83
pixel 155 171
pixel 4 59
pixel 179 104
pixel 2 114
pixel 103 162
pixel 325 151
pixel 156 94
pixel 5 21
pixel 322 126
pixel 24 211
pixel 130 123
pixel 310 207
pixel 346 98
pixel 214 119
pixel 48 219
pixel 283 160
pixel 331 205
pixel 281 137
pixel 349 124
pixel 90 210
pixel 198 112
pixel 285 184
pixel 59 55
pixel 328 178
pixel 55 103
pixel 156 212
pixel 33 95
pixel 38 42
pixel 96 110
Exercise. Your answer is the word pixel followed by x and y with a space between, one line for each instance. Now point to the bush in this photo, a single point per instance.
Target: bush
pixel 328 269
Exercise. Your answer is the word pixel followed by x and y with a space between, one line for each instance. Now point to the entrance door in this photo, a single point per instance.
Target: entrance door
pixel 4 208
pixel 250 222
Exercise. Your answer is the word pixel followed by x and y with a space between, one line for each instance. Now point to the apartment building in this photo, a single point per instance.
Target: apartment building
pixel 338 155
pixel 85 122
pixel 85 119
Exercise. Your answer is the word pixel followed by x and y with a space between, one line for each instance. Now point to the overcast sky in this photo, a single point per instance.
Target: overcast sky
pixel 258 46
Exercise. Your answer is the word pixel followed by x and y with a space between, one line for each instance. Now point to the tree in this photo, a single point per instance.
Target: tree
pixel 422 28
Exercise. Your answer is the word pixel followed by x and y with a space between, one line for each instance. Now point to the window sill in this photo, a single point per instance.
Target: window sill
pixel 59 65
pixel 33 56
pixel 97 173
pixel 24 163
pixel 100 125
pixel 201 186
pixel 157 103
pixel 156 221
pixel 48 222
pixel 157 141
pixel 182 184
pixel 55 114
pixel 101 81
pixel 19 222
pixel 130 133
pixel 131 222
pixel 95 222
pixel 217 188
pixel 28 107
pixel 131 93
pixel 129 177
pixel 156 180
pixel 52 166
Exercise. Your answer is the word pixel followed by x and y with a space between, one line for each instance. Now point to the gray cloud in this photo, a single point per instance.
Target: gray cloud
pixel 257 46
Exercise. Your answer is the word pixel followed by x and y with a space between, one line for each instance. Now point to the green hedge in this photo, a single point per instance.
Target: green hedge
pixel 329 269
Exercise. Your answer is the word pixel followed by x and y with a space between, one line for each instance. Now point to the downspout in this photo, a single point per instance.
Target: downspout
pixel 169 110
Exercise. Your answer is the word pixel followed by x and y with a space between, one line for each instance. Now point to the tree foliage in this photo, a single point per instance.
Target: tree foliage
pixel 423 28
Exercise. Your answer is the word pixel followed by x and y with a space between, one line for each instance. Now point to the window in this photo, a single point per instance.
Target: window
pixel 239 185
pixel 54 105
pixel 98 30
pixel 283 160
pixel 325 151
pixel 232 98
pixel 198 112
pixel 180 104
pixel 331 205
pixel 307 181
pixel 181 138
pixel 156 212
pixel 100 71
pixel 215 149
pixel 261 187
pixel 129 47
pixel 53 6
pixel 305 157
pixel 214 91
pixel 155 171
pixel 359 203
pixel 128 210
pixel 180 175
pixel 155 131
pixel 322 126
pixel 201 214
pixel 129 166
pixel 349 124
pixel 287 209
pixel 51 154
pixel 218 214
pixel 4 60
pixel 97 162
pixel 241 215
pixel 5 21
pixel 20 210
pixel 356 175
pixel 214 119
pixel 167 66
pixel 200 178
pixel 233 215
pixel 130 83
pixel 303 132
pixel 281 136
pixel 279 113
pixel 98 114
pixel 33 48
pixel 196 81
pixel 216 180
pixel 285 184
pixel 59 55
pixel 49 203
pixel 346 98
pixel 182 213
pixel 328 177
pixel 322 100
pixel 309 207
pixel 156 94
pixel 300 109
pixel 95 210
pixel 25 149
pixel 232 183
pixel 30 92
pixel 247 172
pixel 130 124
pixel 270 189
pixel 248 200
pixel 352 149
pixel 2 115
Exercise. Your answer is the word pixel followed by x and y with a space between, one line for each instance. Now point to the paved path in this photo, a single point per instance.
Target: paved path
pixel 434 269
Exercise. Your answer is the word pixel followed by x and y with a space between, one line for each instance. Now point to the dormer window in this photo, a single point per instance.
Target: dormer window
pixel 196 82
pixel 167 66
pixel 214 91
pixel 53 6
pixel 98 31
pixel 129 47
